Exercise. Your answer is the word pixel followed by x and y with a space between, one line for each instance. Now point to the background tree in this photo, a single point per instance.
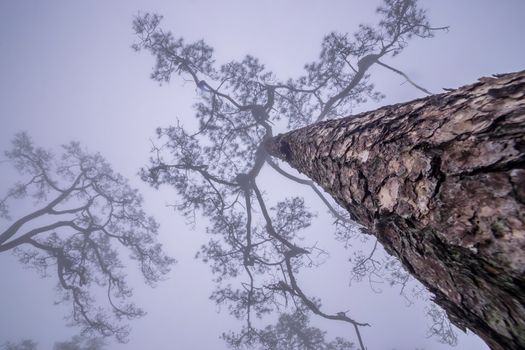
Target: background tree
pixel 76 343
pixel 26 344
pixel 81 343
pixel 215 168
pixel 83 213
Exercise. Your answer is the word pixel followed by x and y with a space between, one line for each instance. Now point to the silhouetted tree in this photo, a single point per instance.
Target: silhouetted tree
pixel 215 168
pixel 26 344
pixel 76 343
pixel 81 343
pixel 441 327
pixel 82 213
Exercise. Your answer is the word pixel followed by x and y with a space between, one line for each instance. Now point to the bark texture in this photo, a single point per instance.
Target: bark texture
pixel 441 182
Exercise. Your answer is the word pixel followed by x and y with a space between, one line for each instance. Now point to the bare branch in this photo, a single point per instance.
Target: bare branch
pixel 404 76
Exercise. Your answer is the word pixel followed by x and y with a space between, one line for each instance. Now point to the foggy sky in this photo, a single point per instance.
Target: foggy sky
pixel 68 73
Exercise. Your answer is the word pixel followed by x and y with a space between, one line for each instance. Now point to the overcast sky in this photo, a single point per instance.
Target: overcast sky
pixel 67 72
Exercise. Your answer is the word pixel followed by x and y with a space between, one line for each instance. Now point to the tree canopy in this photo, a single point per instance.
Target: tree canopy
pixel 215 168
pixel 291 332
pixel 84 213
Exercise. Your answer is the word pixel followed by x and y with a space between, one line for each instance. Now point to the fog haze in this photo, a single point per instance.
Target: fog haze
pixel 68 73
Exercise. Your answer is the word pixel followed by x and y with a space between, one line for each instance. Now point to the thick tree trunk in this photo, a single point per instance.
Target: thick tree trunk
pixel 441 182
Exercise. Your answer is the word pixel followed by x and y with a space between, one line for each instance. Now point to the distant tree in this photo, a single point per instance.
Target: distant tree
pixel 215 169
pixel 81 343
pixel 76 343
pixel 26 344
pixel 441 327
pixel 82 213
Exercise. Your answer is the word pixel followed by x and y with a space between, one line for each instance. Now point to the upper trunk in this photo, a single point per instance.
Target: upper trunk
pixel 441 183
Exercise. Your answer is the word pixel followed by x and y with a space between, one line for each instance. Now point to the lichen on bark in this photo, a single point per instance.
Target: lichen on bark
pixel 441 182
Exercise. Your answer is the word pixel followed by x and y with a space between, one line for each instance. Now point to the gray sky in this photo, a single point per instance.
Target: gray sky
pixel 68 73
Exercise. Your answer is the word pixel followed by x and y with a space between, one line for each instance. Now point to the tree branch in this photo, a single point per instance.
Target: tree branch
pixel 404 76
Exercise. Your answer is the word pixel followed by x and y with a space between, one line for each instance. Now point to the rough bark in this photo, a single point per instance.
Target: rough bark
pixel 441 182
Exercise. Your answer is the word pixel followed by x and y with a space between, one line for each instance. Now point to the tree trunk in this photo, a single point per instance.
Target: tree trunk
pixel 441 182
